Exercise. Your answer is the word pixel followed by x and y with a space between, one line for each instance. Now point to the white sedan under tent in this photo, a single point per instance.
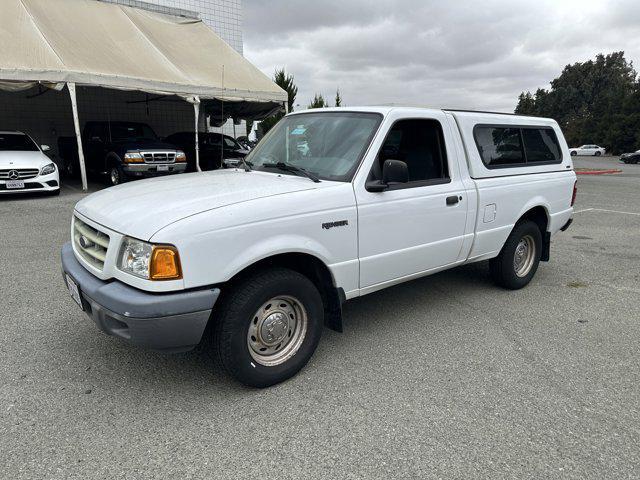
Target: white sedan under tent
pixel 67 45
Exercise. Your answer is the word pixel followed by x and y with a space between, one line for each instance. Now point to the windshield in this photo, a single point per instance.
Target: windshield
pixel 329 145
pixel 132 131
pixel 16 142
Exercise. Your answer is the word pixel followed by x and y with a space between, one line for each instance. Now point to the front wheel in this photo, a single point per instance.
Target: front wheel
pixel 116 176
pixel 519 258
pixel 573 154
pixel 598 154
pixel 268 327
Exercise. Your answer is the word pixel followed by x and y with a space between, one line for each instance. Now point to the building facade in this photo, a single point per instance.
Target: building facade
pixel 224 16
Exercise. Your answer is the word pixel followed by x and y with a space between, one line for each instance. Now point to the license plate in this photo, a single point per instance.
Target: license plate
pixel 163 168
pixel 13 184
pixel 74 291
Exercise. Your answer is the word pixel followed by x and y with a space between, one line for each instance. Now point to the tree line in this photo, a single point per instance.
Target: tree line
pixel 594 102
pixel 286 82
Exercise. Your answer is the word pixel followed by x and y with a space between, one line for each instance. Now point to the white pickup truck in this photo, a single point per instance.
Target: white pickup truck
pixel 332 204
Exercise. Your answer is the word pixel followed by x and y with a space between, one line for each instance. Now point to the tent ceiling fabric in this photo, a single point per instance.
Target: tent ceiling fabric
pixel 102 44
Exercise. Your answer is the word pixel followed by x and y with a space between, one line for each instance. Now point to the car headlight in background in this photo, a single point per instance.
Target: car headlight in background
pixel 48 169
pixel 133 157
pixel 152 262
pixel 180 156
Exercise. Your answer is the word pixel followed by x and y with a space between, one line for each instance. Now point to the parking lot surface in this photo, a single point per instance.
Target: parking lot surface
pixel 443 377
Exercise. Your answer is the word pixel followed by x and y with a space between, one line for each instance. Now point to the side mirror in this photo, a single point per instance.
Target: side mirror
pixel 45 148
pixel 393 172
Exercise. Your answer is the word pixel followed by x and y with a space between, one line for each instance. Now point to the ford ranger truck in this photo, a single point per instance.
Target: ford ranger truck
pixel 122 151
pixel 329 206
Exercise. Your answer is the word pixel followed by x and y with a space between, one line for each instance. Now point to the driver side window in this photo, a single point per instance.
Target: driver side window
pixel 420 144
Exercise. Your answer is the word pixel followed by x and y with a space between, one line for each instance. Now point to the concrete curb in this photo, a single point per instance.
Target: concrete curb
pixel 598 172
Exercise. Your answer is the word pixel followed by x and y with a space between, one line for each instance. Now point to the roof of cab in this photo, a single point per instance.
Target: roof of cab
pixel 11 132
pixel 385 109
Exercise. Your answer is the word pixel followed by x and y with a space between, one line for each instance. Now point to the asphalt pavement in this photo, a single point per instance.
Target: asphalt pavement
pixel 443 377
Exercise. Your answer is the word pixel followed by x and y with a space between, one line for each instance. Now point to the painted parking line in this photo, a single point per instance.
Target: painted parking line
pixel 605 210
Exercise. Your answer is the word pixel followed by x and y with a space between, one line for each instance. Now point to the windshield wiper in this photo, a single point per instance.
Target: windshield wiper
pixel 287 167
pixel 247 165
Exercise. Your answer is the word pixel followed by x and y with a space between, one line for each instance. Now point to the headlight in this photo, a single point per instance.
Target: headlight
pixel 152 262
pixel 48 169
pixel 180 156
pixel 133 157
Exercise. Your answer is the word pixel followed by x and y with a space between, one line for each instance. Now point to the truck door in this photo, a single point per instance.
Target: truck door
pixel 415 227
pixel 95 141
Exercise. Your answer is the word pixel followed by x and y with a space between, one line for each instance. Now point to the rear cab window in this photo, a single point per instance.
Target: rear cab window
pixel 503 146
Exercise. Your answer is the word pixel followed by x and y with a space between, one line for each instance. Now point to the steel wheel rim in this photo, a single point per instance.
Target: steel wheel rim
pixel 115 176
pixel 524 256
pixel 277 330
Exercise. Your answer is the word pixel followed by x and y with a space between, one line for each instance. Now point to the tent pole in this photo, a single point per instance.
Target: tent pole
pixel 76 124
pixel 196 109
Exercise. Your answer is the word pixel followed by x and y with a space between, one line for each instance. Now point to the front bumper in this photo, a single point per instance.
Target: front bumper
pixel 151 169
pixel 172 322
pixel 40 183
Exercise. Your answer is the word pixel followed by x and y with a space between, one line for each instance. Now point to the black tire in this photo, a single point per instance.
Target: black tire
pixel 503 268
pixel 573 154
pixel 598 154
pixel 116 175
pixel 237 313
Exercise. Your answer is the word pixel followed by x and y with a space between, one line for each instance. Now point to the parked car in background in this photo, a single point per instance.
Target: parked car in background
pixel 630 157
pixel 245 142
pixel 123 151
pixel 216 150
pixel 24 167
pixel 593 150
pixel 267 255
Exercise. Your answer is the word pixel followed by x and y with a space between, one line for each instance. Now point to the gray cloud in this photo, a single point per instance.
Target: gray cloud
pixel 465 54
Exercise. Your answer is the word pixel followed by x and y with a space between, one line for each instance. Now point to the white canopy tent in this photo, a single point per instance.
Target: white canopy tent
pixel 91 43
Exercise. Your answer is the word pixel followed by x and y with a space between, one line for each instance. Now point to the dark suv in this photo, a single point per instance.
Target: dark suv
pixel 216 150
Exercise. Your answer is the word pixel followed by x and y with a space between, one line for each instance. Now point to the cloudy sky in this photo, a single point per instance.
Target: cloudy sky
pixel 447 53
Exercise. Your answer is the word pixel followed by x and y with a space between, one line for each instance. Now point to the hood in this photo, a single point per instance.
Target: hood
pixel 12 159
pixel 143 144
pixel 141 208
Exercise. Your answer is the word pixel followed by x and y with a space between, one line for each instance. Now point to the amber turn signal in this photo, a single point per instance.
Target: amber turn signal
pixel 165 263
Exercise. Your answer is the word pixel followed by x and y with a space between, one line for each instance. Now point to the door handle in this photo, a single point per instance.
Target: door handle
pixel 452 200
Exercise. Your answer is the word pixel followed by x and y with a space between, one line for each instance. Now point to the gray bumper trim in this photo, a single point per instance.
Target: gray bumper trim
pixel 162 321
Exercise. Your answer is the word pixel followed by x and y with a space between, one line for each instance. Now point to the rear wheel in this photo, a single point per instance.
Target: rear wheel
pixel 573 154
pixel 519 258
pixel 268 327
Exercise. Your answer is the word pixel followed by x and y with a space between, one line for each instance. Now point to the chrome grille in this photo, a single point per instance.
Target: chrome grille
pixel 159 157
pixel 90 243
pixel 18 173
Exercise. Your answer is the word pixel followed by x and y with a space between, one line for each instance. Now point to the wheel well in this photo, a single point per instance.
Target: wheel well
pixel 539 216
pixel 315 270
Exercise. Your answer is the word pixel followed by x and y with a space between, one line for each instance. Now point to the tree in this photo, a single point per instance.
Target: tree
pixel 318 102
pixel 286 82
pixel 597 101
pixel 338 98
